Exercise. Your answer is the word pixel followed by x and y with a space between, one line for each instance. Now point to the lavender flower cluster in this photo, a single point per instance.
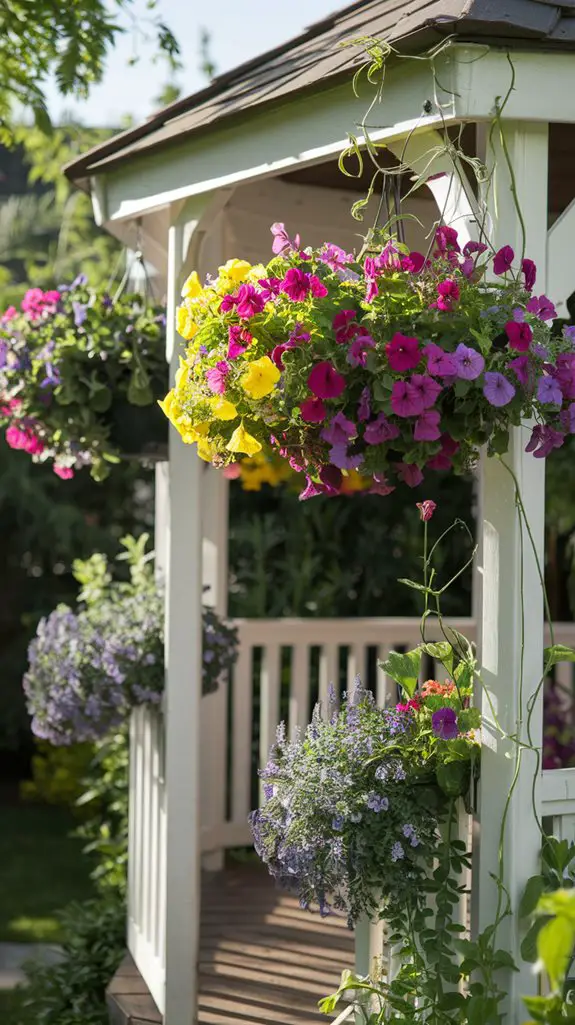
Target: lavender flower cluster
pixel 88 669
pixel 351 811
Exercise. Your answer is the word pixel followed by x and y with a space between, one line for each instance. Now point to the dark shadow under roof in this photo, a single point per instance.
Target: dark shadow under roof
pixel 317 59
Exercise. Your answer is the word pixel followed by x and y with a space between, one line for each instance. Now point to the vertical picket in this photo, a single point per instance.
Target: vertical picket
pixel 269 698
pixel 328 673
pixel 299 690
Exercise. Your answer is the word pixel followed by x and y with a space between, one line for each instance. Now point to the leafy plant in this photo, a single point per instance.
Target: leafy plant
pixel 57 773
pixel 104 807
pixel 73 991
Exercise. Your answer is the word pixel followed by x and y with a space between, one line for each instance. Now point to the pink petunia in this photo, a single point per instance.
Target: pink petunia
pixel 405 399
pixel 358 350
pixel 426 509
pixel 410 474
pixel 63 472
pixel 270 288
pixel 15 437
pixel 380 430
pixel 427 388
pixel 216 377
pixel 317 287
pixel 380 486
pixel 232 471
pixel 520 367
pixel 439 362
pixel 403 353
pixel 427 426
pixel 334 256
pixel 282 242
pixel 364 405
pixel 446 239
pixel 519 335
pixel 238 340
pixel 542 307
pixel 325 382
pixel 448 293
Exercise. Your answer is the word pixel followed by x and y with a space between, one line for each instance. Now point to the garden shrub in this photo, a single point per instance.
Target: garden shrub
pixel 57 774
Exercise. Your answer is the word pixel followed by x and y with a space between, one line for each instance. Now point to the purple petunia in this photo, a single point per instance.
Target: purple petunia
pixel 497 389
pixel 470 363
pixel 380 430
pixel 549 391
pixel 444 724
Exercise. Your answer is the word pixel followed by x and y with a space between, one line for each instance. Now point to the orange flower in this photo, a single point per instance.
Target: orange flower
pixel 434 687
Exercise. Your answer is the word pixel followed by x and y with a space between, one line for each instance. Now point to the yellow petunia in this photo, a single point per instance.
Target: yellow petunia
pixel 234 271
pixel 222 409
pixel 181 374
pixel 206 450
pixel 169 406
pixel 192 287
pixel 185 325
pixel 260 379
pixel 241 441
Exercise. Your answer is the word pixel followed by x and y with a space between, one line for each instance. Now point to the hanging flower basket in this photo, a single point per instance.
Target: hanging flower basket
pixel 90 666
pixel 392 365
pixel 80 374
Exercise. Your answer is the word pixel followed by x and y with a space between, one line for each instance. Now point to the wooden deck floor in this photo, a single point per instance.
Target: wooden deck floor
pixel 263 961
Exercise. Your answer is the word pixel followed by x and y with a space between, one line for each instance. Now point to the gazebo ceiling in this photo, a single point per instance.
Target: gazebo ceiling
pixel 316 60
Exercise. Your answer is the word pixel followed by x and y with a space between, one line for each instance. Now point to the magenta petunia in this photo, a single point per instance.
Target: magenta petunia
pixel 568 418
pixel 447 293
pixel 443 459
pixel 403 353
pixel 427 426
pixel 276 355
pixel 63 472
pixel 439 362
pixel 503 260
pixel 520 367
pixel 380 486
pixel 250 302
pixel 228 303
pixel 270 288
pixel 426 509
pixel 358 350
pixel 474 247
pixel 470 363
pixel 529 273
pixel 15 437
pixel 296 284
pixel 332 477
pixel 313 410
pixel 216 377
pixel 543 440
pixel 519 335
pixel 238 340
pixel 317 287
pixel 444 724
pixel 413 263
pixel 497 389
pixel 410 474
pixel 405 399
pixel 325 382
pixel 428 389
pixel 339 431
pixel 380 430
pixel 549 392
pixel 364 405
pixel 345 326
pixel 446 239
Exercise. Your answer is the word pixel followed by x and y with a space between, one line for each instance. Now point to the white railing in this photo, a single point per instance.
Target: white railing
pixel 147 850
pixel 284 666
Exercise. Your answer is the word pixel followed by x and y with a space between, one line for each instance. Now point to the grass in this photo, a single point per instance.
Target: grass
pixel 41 870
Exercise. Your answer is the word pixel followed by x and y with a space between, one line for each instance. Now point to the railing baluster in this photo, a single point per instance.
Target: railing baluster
pixel 328 674
pixel 270 684
pixel 242 734
pixel 383 689
pixel 355 667
pixel 299 688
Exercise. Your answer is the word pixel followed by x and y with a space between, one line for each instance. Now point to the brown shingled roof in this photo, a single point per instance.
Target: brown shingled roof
pixel 316 59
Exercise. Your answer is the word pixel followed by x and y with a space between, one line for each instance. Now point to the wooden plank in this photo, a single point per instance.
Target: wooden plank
pixel 299 698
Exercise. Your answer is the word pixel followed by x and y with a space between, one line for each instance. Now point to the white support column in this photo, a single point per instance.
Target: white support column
pixel 183 690
pixel 512 633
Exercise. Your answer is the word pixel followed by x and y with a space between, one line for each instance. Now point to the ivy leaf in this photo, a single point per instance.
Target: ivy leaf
pixel 499 442
pixel 441 652
pixel 100 398
pixel 453 777
pixel 555 946
pixel 558 653
pixel 404 669
pixel 531 895
pixel 139 390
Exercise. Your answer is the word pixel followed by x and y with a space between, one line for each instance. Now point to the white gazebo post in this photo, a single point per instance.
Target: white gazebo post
pixel 512 616
pixel 183 679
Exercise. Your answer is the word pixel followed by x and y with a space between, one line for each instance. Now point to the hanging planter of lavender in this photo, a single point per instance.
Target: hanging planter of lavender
pixel 392 365
pixel 80 374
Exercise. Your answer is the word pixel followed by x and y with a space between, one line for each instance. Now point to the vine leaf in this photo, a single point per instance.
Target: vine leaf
pixel 404 669
pixel 558 653
pixel 531 895
pixel 555 946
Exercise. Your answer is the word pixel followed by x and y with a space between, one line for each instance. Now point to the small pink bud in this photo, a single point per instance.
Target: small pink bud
pixel 426 509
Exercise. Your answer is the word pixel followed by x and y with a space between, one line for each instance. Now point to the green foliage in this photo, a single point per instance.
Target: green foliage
pixel 72 992
pixel 68 42
pixel 104 807
pixel 404 669
pixel 57 773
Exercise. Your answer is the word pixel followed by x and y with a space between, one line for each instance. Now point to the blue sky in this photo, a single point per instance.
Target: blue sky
pixel 239 31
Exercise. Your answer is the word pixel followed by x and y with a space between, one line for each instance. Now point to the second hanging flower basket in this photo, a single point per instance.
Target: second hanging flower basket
pixel 80 375
pixel 391 365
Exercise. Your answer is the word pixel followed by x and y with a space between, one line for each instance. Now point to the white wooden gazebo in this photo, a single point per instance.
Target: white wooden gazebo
pixel 201 182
